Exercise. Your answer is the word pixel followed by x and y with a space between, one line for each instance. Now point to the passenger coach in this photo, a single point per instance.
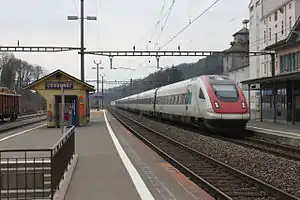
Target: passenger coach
pixel 214 101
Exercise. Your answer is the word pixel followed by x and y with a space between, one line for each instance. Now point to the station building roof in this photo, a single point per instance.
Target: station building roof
pixel 280 77
pixel 60 73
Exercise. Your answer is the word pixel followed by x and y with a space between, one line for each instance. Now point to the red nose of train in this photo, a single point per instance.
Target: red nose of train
pixel 227 98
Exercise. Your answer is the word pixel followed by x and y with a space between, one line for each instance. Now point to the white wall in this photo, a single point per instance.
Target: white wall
pixel 254 38
pixel 264 20
pixel 270 6
pixel 239 75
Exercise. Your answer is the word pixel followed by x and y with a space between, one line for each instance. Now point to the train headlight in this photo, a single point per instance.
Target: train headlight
pixel 243 104
pixel 216 104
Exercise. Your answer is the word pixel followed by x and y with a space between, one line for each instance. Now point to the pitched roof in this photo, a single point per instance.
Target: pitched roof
pixel 238 47
pixel 90 87
pixel 243 31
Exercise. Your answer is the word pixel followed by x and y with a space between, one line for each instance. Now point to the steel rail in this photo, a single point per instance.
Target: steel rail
pixel 214 191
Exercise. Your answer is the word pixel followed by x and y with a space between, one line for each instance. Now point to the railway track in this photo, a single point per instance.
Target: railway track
pixel 219 179
pixel 284 151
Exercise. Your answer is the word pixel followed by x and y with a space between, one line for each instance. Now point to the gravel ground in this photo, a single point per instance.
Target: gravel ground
pixel 279 172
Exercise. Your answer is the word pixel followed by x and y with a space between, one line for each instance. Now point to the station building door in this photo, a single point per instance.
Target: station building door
pixel 70 110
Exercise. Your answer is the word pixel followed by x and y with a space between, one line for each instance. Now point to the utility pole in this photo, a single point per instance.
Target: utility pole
pixel 82 18
pixel 97 67
pixel 82 39
pixel 102 92
pixel 62 110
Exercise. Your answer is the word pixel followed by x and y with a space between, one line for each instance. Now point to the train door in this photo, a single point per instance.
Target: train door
pixel 188 101
pixel 201 102
pixel 154 101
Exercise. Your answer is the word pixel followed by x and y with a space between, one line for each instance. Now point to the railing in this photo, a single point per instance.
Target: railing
pixel 35 173
pixel 62 153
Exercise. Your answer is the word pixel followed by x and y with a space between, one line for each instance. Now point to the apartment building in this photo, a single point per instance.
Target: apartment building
pixel 271 21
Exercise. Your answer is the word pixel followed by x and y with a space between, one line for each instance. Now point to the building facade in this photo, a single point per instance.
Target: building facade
pixel 270 22
pixel 237 66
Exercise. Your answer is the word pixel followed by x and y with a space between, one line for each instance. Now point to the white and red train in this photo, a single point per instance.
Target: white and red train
pixel 213 101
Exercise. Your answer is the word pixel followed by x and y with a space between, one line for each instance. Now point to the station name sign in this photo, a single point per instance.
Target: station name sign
pixel 54 85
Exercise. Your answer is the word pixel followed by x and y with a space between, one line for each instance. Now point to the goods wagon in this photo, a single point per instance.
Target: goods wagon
pixel 9 104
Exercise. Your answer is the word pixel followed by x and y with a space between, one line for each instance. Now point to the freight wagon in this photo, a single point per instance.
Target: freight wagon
pixel 9 104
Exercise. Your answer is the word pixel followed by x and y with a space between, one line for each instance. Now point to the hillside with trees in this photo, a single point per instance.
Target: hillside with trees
pixel 15 74
pixel 206 66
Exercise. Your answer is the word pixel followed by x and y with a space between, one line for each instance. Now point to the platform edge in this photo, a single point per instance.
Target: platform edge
pixel 65 183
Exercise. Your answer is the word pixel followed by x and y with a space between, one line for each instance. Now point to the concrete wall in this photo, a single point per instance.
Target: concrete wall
pixel 270 6
pixel 255 38
pixel 239 75
pixel 262 23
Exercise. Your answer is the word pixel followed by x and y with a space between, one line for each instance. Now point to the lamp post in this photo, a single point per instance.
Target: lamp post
pixel 97 67
pixel 82 34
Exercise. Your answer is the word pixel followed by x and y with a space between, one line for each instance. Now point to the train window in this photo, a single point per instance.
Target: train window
pixel 201 95
pixel 182 99
pixel 225 91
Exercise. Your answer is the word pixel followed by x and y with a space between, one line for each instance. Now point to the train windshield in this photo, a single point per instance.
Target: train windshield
pixel 224 92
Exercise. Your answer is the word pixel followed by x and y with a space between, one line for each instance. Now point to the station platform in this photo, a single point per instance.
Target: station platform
pixel 113 164
pixel 279 132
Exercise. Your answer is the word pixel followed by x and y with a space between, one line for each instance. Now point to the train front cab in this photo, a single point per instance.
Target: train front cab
pixel 228 109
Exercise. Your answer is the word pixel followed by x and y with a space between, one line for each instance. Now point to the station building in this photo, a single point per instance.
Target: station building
pixel 76 94
pixel 280 94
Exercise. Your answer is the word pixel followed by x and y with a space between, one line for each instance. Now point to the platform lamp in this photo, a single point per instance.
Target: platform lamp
pixel 98 67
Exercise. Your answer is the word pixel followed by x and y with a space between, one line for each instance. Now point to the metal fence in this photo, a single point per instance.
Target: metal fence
pixel 35 173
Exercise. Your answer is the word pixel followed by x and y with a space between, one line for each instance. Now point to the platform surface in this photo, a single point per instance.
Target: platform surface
pixel 274 128
pixel 103 172
pixel 35 136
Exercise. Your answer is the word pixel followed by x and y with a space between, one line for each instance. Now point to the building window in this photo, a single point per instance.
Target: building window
pixel 290 23
pixel 294 67
pixel 281 64
pixel 281 10
pixel 264 21
pixel 265 68
pixel 257 3
pixel 275 16
pixel 270 34
pixel 282 27
pixel 276 39
pixel 251 8
pixel 265 36
pixel 288 63
pixel 290 6
pixel 270 18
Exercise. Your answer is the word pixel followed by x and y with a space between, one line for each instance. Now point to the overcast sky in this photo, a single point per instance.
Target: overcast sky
pixel 120 25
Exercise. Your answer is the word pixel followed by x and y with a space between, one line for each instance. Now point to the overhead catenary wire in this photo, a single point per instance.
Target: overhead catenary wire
pixel 75 6
pixel 167 14
pixel 152 30
pixel 191 22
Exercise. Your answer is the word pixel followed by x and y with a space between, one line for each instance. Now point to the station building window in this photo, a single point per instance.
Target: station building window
pixel 289 62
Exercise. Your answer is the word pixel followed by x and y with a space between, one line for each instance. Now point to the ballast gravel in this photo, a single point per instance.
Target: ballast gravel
pixel 276 171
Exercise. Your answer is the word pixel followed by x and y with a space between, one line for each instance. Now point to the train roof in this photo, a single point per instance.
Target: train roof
pixel 220 79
